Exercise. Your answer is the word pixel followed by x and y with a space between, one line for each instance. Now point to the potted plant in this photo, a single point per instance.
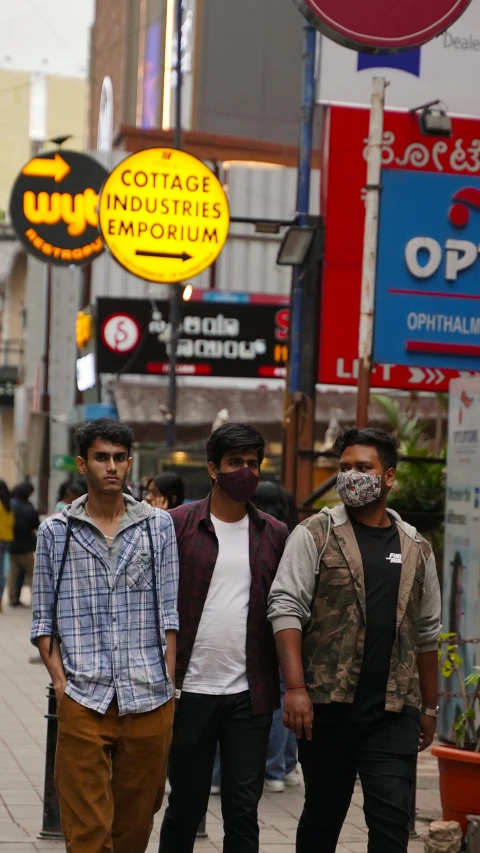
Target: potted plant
pixel 460 765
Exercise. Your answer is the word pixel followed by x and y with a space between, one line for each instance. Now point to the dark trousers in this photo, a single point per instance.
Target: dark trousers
pixel 384 754
pixel 200 722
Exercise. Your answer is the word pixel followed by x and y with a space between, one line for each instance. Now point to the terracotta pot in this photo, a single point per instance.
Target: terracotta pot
pixel 459 783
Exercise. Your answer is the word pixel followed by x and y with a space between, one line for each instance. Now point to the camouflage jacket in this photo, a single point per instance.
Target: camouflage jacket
pixel 320 589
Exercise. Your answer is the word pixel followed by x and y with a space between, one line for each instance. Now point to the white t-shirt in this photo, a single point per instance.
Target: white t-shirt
pixel 218 665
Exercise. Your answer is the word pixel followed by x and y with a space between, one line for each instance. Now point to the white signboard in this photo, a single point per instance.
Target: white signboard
pixel 444 69
pixel 461 574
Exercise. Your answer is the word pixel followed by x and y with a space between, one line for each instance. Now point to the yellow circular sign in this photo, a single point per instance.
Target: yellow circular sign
pixel 164 215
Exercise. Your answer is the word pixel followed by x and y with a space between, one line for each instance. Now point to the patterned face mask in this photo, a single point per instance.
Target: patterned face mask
pixel 357 489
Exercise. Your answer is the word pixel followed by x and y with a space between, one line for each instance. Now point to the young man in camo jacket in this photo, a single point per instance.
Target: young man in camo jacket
pixel 355 607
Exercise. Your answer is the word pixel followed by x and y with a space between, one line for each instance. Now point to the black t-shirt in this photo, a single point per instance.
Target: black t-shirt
pixel 382 565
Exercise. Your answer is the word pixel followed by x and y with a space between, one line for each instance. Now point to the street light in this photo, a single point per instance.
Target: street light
pixel 295 246
pixel 433 119
pixel 187 292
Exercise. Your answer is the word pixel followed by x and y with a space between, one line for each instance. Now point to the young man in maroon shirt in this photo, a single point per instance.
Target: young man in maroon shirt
pixel 227 670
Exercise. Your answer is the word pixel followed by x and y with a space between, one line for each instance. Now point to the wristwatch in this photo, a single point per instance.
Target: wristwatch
pixel 430 712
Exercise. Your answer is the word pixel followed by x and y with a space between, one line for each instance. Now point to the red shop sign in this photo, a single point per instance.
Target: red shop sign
pixel 343 180
pixel 382 24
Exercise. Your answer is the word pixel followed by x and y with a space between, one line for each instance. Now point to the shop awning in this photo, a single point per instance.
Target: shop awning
pixel 197 408
pixel 144 407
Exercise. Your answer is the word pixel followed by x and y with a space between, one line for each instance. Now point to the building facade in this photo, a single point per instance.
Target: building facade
pixel 241 67
pixel 35 107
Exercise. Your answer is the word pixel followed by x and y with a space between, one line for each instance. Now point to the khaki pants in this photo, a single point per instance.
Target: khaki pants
pixel 110 776
pixel 21 571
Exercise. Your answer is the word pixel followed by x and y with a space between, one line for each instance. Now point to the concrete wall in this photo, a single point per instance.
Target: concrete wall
pixel 11 355
pixel 66 288
pixel 12 326
pixel 14 117
pixel 66 299
pixel 248 76
pixel 66 113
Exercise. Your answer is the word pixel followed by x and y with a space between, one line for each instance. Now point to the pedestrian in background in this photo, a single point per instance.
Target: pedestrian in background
pixel 7 522
pixel 105 620
pixel 356 610
pixel 22 549
pixel 227 671
pixel 166 491
pixel 67 493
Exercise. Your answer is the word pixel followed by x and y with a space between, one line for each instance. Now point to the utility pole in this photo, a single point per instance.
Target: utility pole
pixel 303 197
pixel 294 396
pixel 370 249
pixel 175 289
pixel 45 389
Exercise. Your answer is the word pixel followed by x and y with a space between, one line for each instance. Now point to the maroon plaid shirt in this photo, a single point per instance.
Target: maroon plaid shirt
pixel 198 552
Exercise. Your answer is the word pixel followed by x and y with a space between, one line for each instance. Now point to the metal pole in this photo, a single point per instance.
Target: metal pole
pixel 175 319
pixel 303 198
pixel 44 391
pixel 291 420
pixel 178 91
pixel 51 827
pixel 45 387
pixel 175 290
pixel 370 246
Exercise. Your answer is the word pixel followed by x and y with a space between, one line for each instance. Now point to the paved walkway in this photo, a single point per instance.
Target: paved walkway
pixel 22 745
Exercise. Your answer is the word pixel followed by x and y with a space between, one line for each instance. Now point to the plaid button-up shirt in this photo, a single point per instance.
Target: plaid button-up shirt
pixel 107 621
pixel 198 552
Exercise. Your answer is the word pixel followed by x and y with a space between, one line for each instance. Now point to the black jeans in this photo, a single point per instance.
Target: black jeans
pixel 200 722
pixel 384 754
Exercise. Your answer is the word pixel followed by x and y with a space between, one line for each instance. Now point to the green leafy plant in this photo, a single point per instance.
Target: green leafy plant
pixel 466 730
pixel 408 428
pixel 420 486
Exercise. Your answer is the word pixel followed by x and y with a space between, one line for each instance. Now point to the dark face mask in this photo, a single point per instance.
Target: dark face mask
pixel 239 485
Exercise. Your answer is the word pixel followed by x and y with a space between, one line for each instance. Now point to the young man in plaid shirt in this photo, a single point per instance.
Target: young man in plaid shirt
pixel 105 621
pixel 227 670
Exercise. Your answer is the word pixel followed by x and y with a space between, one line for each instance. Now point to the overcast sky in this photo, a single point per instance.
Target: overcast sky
pixel 49 35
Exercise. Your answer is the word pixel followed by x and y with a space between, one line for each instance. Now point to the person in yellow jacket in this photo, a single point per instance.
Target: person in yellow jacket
pixel 7 522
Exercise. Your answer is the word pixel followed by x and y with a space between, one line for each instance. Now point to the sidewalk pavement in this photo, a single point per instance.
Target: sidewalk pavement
pixel 23 706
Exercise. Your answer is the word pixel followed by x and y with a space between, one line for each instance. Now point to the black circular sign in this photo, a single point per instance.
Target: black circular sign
pixel 53 207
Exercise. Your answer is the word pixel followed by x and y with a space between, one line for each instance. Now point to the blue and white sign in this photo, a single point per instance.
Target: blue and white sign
pixel 427 310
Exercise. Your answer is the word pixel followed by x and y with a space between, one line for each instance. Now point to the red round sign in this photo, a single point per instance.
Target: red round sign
pixel 382 25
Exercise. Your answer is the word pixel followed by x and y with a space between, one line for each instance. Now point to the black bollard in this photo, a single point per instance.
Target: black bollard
pixel 413 812
pixel 51 827
pixel 202 829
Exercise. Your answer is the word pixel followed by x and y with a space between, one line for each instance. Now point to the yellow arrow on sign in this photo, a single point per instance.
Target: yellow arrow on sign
pixel 43 167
